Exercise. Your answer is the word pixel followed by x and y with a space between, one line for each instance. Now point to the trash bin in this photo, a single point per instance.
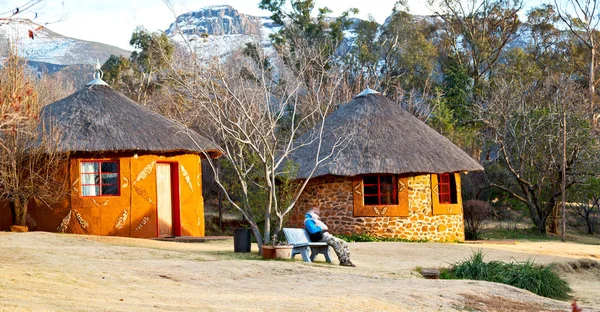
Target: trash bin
pixel 241 240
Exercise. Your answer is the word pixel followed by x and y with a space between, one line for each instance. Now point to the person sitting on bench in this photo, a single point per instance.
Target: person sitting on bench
pixel 317 231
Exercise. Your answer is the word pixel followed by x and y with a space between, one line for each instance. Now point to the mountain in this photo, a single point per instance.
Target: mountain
pixel 216 20
pixel 216 31
pixel 49 50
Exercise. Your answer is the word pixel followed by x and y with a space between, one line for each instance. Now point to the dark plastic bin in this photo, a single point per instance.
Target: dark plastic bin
pixel 241 240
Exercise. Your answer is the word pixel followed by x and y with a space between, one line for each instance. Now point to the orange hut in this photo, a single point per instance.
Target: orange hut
pixel 397 177
pixel 132 171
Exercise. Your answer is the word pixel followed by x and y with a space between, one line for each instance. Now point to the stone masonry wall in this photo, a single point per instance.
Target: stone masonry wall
pixel 333 195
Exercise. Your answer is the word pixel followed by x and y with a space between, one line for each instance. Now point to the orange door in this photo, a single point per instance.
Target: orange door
pixel 164 200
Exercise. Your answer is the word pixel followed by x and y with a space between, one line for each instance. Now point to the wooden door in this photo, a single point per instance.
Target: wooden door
pixel 164 199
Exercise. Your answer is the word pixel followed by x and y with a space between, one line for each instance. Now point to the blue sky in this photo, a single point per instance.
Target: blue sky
pixel 113 21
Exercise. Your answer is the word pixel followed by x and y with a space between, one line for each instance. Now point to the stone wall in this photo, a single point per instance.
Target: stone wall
pixel 333 195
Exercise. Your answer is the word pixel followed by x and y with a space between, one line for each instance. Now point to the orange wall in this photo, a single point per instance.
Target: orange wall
pixel 133 212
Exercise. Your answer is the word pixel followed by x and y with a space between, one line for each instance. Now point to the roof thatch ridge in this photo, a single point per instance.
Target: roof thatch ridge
pixel 386 139
pixel 97 118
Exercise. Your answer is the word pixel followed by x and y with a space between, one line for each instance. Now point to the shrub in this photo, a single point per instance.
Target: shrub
pixel 539 279
pixel 475 212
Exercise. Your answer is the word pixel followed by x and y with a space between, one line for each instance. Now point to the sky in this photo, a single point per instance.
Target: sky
pixel 113 21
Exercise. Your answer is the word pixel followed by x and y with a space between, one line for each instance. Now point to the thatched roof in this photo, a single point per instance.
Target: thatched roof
pixel 97 118
pixel 385 138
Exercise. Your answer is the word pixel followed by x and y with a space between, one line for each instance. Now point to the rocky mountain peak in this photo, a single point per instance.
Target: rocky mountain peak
pixel 216 20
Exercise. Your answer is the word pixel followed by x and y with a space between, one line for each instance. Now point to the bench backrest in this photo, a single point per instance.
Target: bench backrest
pixel 296 236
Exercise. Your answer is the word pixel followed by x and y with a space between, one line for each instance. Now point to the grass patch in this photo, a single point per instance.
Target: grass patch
pixel 530 234
pixel 539 279
pixel 514 233
pixel 370 238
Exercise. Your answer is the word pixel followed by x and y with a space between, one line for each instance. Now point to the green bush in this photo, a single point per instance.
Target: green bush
pixel 539 279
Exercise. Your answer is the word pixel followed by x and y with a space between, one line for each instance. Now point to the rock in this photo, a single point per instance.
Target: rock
pixel 430 273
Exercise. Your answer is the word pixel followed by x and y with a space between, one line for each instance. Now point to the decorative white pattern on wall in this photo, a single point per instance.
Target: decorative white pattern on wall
pixel 80 219
pixel 142 223
pixel 65 222
pixel 145 172
pixel 186 176
pixel 121 220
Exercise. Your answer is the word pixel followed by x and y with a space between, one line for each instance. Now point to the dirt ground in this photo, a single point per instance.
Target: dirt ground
pixel 59 272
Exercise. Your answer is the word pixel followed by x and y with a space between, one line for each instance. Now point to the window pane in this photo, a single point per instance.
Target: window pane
pixel 371 190
pixel 371 200
pixel 89 190
pixel 445 198
pixel 89 167
pixel 444 188
pixel 89 178
pixel 370 180
pixel 386 179
pixel 387 189
pixel 109 178
pixel 386 200
pixel 444 178
pixel 109 166
pixel 110 190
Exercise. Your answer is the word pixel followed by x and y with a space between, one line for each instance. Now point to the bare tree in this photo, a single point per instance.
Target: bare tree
pixel 255 108
pixel 585 202
pixel 582 19
pixel 524 122
pixel 31 168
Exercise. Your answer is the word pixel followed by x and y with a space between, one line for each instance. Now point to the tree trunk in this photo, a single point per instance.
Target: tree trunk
pixel 18 210
pixel 591 82
pixel 540 219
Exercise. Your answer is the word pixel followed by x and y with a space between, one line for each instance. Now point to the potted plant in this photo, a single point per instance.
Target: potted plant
pixel 278 249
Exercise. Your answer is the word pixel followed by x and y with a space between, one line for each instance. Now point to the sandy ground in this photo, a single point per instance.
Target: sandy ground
pixel 58 272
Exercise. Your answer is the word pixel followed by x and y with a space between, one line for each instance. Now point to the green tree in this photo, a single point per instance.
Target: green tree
pixel 144 73
pixel 477 32
pixel 407 53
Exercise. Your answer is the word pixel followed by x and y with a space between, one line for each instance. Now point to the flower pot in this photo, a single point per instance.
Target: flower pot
pixel 283 252
pixel 277 252
pixel 18 228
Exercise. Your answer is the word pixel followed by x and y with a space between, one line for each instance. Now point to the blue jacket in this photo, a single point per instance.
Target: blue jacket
pixel 311 225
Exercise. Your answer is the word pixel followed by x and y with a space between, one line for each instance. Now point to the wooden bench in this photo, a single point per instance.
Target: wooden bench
pixel 300 242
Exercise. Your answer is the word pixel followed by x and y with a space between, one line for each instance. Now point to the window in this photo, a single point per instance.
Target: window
pixel 380 190
pixel 380 196
pixel 100 178
pixel 447 188
pixel 445 197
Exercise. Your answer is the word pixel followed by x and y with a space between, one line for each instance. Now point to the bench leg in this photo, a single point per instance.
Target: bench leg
pixel 305 256
pixel 320 250
pixel 303 251
pixel 326 254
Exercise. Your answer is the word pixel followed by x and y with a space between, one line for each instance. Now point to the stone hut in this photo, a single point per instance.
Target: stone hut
pixel 132 171
pixel 396 176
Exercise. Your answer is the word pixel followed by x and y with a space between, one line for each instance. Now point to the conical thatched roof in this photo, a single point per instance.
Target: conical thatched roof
pixel 384 139
pixel 97 118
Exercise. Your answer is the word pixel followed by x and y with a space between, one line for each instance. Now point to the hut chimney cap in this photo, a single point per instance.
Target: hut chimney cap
pixel 366 92
pixel 97 76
